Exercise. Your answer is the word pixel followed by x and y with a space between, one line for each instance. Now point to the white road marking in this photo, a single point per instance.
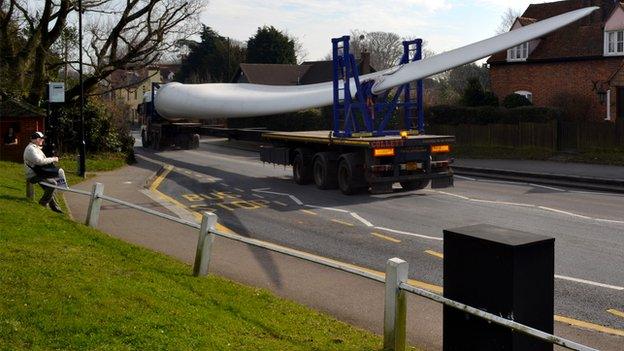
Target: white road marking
pixel 292 197
pixel 546 187
pixel 449 194
pixel 258 196
pixel 462 177
pixel 357 216
pixel 563 212
pixel 503 203
pixel 280 203
pixel 609 220
pixel 328 208
pixel 239 190
pixel 410 234
pixel 614 287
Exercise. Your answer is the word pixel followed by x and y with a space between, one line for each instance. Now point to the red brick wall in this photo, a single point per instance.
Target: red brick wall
pixel 547 80
pixel 27 126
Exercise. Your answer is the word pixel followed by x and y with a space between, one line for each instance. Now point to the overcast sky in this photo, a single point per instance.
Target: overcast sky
pixel 444 24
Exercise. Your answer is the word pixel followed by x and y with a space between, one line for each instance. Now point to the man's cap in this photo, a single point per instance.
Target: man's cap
pixel 37 135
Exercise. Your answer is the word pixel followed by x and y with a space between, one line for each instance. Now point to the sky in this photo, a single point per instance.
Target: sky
pixel 444 24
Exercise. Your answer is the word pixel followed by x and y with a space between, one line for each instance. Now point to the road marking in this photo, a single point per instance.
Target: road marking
pixel 449 194
pixel 435 253
pixel 577 280
pixel 280 203
pixel 384 237
pixel 502 203
pixel 357 216
pixel 239 190
pixel 563 212
pixel 410 234
pixel 328 208
pixel 161 177
pixel 546 187
pixel 609 220
pixel 309 212
pixel 258 196
pixel 343 222
pixel 462 177
pixel 292 197
pixel 587 325
pixel 616 312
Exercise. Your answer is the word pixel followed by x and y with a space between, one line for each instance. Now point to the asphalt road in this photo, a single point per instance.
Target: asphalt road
pixel 261 201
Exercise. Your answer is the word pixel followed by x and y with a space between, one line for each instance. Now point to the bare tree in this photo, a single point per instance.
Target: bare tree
pixel 385 48
pixel 120 34
pixel 507 20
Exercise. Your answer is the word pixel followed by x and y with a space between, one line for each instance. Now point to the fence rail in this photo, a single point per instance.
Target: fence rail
pixel 395 280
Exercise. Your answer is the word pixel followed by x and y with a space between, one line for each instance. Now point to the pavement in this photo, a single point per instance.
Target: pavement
pixel 349 298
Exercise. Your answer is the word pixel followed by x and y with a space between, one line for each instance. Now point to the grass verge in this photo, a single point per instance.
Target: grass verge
pixel 67 286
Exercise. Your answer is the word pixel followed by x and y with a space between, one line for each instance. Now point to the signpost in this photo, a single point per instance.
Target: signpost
pixel 56 94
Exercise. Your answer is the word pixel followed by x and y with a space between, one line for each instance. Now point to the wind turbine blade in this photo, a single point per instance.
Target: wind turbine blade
pixel 229 100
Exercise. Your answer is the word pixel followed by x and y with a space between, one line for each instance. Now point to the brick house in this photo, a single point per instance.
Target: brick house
pixel 18 121
pixel 579 65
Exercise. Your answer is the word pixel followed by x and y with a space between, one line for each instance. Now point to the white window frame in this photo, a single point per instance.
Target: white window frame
pixel 518 53
pixel 614 43
pixel 527 94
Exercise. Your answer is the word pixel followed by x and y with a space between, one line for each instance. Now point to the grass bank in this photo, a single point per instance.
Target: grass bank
pixel 67 286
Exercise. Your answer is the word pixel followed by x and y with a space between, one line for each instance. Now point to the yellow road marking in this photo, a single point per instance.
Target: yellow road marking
pixel 616 312
pixel 419 284
pixel 384 237
pixel 591 326
pixel 343 222
pixel 435 253
pixel 309 212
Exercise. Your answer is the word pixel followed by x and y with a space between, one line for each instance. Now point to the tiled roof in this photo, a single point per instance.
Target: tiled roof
pixel 10 107
pixel 583 38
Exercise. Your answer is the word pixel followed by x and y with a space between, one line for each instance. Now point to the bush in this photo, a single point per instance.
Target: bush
pixel 516 100
pixel 475 95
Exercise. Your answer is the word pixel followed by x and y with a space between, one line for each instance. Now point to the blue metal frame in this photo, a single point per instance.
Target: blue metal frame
pixel 348 114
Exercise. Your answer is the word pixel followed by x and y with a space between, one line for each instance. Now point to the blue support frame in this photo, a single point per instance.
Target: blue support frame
pixel 348 114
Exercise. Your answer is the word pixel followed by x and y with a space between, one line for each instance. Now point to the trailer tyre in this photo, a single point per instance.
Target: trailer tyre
pixel 325 171
pixel 302 173
pixel 415 184
pixel 349 180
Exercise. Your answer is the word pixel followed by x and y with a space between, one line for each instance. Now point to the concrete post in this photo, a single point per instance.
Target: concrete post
pixel 93 213
pixel 30 190
pixel 395 305
pixel 204 244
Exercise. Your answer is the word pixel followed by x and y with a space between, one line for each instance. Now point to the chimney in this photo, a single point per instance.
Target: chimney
pixel 365 62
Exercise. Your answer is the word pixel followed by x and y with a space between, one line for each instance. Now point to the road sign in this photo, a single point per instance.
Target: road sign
pixel 56 92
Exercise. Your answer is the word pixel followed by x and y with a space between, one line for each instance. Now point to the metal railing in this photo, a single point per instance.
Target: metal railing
pixel 395 280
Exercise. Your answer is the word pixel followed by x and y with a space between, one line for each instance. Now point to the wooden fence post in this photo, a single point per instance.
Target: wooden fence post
pixel 204 244
pixel 395 306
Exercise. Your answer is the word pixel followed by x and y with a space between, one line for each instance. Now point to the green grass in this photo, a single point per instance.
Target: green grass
pixel 94 163
pixel 67 286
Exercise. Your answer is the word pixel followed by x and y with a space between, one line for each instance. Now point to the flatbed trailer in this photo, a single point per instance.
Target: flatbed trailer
pixel 354 164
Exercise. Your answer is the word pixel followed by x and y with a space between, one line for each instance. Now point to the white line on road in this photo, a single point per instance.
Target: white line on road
pixel 258 196
pixel 292 197
pixel 563 212
pixel 454 195
pixel 609 220
pixel 462 177
pixel 546 187
pixel 357 216
pixel 328 208
pixel 410 234
pixel 589 282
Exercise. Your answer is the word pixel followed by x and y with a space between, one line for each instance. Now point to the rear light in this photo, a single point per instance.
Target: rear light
pixel 383 152
pixel 440 149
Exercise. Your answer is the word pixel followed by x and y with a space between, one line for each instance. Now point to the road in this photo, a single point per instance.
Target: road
pixel 261 201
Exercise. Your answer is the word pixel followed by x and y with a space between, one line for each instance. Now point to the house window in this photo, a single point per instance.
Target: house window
pixel 518 53
pixel 614 42
pixel 527 94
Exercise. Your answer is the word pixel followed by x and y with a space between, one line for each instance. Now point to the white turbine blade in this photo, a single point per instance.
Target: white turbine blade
pixel 229 100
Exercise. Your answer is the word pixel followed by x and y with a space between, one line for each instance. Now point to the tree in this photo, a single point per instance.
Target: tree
pixel 507 20
pixel 120 35
pixel 214 59
pixel 270 45
pixel 475 95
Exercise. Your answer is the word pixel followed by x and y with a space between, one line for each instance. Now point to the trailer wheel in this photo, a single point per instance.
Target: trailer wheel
pixel 302 173
pixel 348 175
pixel 325 171
pixel 415 184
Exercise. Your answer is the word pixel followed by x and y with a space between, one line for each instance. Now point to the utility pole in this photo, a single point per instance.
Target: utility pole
pixel 83 152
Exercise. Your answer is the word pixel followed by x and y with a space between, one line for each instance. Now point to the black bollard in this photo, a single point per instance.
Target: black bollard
pixel 505 272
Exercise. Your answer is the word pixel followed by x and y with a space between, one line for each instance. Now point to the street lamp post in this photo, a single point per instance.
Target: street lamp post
pixel 81 166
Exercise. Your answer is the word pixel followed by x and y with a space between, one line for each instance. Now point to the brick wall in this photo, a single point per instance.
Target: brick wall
pixel 547 80
pixel 25 126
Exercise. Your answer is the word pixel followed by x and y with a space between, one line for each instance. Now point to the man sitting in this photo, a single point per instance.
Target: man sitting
pixel 33 159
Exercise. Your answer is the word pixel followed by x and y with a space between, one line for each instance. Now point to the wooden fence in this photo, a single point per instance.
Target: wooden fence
pixel 555 136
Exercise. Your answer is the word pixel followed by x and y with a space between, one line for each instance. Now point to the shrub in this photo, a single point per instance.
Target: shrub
pixel 515 100
pixel 453 115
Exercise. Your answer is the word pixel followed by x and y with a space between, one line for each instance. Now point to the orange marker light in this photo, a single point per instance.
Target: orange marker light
pixel 383 152
pixel 438 149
